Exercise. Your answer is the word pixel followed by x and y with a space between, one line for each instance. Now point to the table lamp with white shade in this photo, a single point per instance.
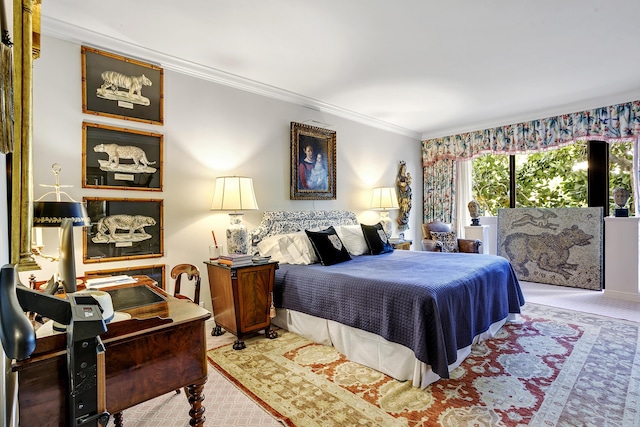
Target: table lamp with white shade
pixel 235 193
pixel 384 199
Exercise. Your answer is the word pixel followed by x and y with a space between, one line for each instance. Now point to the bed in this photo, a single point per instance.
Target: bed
pixel 411 315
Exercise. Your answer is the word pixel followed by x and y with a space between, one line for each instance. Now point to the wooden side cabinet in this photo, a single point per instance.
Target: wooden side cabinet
pixel 403 245
pixel 241 299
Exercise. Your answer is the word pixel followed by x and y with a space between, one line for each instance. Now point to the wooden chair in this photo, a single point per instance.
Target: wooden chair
pixel 193 274
pixel 428 244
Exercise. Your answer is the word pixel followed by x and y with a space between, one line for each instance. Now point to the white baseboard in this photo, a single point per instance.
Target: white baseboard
pixel 626 296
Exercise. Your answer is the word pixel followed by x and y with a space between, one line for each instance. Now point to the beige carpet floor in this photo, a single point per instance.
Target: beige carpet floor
pixel 226 405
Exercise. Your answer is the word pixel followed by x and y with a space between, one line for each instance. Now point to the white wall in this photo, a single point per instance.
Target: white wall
pixel 210 130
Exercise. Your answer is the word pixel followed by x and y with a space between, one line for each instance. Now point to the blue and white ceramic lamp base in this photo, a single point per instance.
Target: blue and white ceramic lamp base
pixel 237 236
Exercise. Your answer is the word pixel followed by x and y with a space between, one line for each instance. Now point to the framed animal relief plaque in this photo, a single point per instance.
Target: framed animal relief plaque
pixel 124 88
pixel 123 159
pixel 155 272
pixel 123 229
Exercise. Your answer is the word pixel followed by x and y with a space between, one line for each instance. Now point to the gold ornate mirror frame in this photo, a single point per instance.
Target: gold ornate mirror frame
pixel 26 31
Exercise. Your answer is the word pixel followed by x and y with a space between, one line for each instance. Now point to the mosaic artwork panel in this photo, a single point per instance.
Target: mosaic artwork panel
pixel 561 246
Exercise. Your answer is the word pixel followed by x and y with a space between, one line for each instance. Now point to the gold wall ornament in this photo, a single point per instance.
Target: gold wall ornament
pixel 403 189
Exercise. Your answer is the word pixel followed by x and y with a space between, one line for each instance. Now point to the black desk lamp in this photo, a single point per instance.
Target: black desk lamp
pixel 64 215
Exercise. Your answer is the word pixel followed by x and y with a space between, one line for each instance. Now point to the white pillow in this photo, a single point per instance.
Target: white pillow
pixel 353 238
pixel 293 248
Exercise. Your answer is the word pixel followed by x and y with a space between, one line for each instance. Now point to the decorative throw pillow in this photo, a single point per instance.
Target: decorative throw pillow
pixel 353 239
pixel 292 248
pixel 328 246
pixel 448 239
pixel 376 239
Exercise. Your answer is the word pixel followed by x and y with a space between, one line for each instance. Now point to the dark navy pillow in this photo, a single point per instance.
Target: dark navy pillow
pixel 328 246
pixel 376 239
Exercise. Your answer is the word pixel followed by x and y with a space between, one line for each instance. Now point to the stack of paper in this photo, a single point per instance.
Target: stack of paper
pixel 103 282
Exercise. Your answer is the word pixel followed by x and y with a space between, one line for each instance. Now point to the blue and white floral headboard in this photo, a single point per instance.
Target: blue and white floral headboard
pixel 283 222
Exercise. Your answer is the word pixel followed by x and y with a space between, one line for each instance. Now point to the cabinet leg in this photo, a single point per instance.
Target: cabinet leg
pixel 194 392
pixel 270 333
pixel 117 419
pixel 217 331
pixel 239 345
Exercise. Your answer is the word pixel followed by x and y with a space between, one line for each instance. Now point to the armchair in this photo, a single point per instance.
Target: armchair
pixel 431 245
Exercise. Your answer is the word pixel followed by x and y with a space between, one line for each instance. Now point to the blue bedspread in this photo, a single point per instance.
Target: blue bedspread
pixel 431 302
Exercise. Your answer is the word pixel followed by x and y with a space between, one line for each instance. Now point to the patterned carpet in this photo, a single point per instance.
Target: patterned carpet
pixel 559 368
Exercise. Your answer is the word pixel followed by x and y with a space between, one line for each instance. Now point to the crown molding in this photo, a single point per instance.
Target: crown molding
pixel 64 31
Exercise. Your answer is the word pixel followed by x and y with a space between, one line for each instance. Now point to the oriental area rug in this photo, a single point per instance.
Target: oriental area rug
pixel 558 368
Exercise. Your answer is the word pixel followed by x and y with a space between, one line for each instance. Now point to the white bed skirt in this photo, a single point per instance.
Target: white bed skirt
pixel 370 349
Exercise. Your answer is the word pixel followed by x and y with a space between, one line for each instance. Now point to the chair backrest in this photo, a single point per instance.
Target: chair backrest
pixel 434 226
pixel 193 274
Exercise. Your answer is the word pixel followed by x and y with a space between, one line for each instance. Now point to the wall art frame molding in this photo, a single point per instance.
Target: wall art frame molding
pixel 155 272
pixel 313 163
pixel 121 87
pixel 121 158
pixel 123 229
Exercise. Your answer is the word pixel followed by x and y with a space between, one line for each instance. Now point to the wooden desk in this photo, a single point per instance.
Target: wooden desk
pixel 162 348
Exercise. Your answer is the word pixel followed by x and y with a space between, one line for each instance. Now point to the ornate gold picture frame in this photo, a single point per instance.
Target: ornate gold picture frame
pixel 313 163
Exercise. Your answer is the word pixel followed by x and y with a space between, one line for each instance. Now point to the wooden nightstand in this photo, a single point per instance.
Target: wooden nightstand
pixel 241 299
pixel 403 245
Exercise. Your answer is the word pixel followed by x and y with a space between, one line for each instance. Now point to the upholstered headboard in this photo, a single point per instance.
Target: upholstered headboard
pixel 283 222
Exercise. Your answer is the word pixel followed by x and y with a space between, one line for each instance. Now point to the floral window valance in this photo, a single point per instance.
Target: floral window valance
pixel 615 123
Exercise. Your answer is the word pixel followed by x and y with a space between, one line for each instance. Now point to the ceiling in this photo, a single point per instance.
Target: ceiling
pixel 423 68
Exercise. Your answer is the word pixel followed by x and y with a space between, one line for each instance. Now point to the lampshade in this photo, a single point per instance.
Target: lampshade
pixel 384 198
pixel 51 214
pixel 233 193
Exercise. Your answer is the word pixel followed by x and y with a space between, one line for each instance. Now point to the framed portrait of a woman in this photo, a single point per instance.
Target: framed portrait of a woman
pixel 313 162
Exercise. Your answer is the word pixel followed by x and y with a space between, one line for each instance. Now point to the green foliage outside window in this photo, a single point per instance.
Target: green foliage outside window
pixel 551 179
pixel 491 183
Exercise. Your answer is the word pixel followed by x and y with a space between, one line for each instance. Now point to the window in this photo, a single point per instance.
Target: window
pixel 552 179
pixel 490 182
pixel 621 172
